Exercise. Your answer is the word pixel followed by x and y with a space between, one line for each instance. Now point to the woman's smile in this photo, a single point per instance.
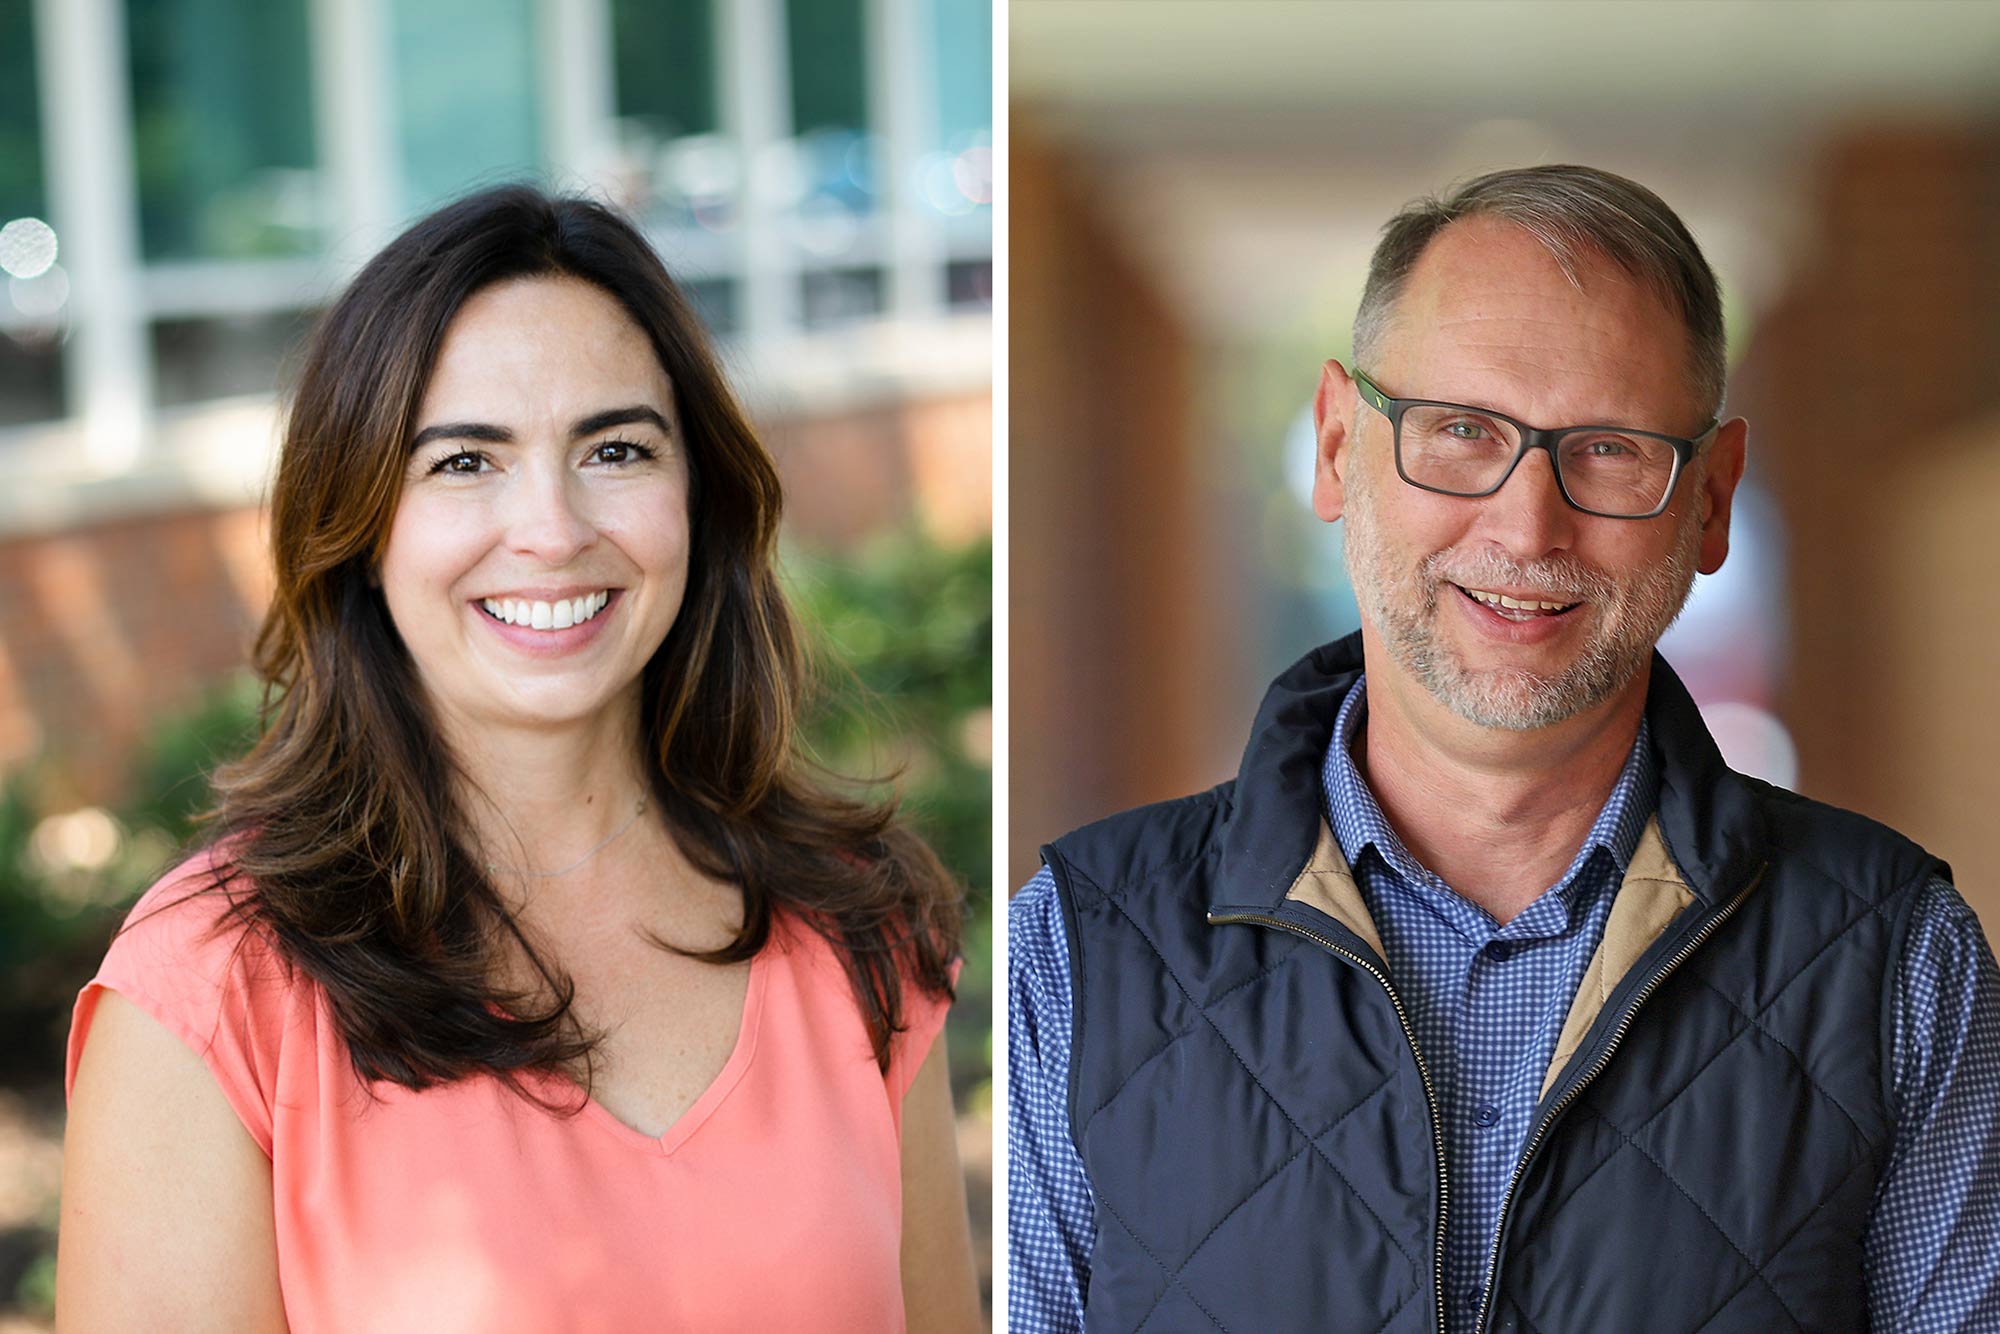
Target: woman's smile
pixel 549 627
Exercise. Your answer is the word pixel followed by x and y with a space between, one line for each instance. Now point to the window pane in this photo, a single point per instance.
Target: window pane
pixel 665 62
pixel 834 154
pixel 31 376
pixel 466 96
pixel 222 128
pixel 828 48
pixel 963 30
pixel 832 297
pixel 969 284
pixel 680 170
pixel 199 359
pixel 20 115
pixel 714 300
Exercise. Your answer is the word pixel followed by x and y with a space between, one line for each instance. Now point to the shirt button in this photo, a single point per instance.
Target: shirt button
pixel 1501 950
pixel 1487 1115
pixel 1473 1294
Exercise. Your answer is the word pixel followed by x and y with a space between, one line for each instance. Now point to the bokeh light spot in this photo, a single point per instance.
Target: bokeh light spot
pixel 27 248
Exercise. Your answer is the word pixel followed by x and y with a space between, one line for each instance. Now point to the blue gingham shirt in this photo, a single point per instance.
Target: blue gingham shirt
pixel 1487 1003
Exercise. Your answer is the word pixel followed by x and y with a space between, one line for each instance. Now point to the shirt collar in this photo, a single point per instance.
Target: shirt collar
pixel 1359 825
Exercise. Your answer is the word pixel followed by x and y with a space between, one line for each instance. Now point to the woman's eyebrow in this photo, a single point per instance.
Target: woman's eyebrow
pixel 500 435
pixel 598 421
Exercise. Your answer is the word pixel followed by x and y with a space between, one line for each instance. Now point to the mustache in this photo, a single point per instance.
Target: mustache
pixel 1566 577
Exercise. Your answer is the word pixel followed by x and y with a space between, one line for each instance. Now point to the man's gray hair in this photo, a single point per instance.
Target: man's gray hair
pixel 1570 210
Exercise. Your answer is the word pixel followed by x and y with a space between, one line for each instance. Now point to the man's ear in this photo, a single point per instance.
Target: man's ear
pixel 1718 490
pixel 1333 421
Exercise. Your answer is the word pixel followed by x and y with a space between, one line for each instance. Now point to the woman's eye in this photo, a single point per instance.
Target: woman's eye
pixel 467 461
pixel 620 451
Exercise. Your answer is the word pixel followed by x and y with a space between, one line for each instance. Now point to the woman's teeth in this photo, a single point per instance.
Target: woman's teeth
pixel 1522 608
pixel 547 615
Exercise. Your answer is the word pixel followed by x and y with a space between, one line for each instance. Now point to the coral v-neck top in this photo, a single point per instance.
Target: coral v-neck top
pixel 773 1203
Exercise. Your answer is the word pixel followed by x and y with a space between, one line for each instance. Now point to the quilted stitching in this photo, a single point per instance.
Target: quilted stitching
pixel 1590 1105
pixel 1757 1270
pixel 1722 1048
pixel 1781 1248
pixel 1751 1022
pixel 1272 1098
pixel 1746 1021
pixel 1253 1192
pixel 1174 1039
pixel 1172 1279
pixel 1756 1021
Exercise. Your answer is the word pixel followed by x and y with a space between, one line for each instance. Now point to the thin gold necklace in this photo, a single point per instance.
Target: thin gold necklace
pixel 493 868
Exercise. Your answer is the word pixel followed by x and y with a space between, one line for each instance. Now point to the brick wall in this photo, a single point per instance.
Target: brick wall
pixel 1871 391
pixel 106 627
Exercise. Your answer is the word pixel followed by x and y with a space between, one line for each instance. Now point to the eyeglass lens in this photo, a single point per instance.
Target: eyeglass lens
pixel 1451 449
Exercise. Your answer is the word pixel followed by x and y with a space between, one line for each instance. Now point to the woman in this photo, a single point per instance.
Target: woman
pixel 527 980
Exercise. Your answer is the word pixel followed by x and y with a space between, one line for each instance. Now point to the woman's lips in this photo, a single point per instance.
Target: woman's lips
pixel 551 642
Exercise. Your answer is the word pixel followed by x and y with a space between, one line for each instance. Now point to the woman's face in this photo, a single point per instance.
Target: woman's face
pixel 539 551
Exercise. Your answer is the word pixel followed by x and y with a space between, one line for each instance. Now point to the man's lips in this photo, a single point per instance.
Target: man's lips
pixel 1526 602
pixel 1516 608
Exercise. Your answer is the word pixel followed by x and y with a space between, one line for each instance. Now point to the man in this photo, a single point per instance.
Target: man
pixel 1486 996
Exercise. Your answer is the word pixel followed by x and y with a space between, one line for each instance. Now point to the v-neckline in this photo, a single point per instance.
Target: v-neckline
pixel 684 1126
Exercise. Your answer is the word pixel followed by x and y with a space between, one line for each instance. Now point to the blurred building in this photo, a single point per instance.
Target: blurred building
pixel 1211 180
pixel 184 183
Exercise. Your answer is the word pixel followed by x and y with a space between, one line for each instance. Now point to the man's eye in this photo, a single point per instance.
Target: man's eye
pixel 1465 430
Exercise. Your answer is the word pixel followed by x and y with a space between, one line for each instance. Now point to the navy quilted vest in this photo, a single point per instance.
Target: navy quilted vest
pixel 1258 1128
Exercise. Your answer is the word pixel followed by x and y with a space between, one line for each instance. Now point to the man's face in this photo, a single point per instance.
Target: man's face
pixel 1489 319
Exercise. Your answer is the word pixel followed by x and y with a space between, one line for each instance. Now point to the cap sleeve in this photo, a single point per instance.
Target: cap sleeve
pixel 924 1014
pixel 215 984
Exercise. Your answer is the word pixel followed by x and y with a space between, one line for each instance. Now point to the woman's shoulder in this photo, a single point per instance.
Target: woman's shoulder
pixel 192 957
pixel 192 931
pixel 822 967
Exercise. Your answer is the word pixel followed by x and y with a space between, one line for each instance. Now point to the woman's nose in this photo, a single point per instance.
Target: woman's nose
pixel 549 518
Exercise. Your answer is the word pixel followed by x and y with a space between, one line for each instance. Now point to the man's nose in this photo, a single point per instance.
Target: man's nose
pixel 549 516
pixel 1528 515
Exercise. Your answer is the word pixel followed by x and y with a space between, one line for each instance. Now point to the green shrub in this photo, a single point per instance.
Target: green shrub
pixel 906 630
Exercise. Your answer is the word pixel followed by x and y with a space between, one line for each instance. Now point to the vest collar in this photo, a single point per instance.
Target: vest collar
pixel 1708 819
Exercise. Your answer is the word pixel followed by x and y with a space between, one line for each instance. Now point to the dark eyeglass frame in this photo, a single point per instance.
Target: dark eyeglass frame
pixel 1532 437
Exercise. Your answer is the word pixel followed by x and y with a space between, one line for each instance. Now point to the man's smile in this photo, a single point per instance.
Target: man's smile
pixel 1513 607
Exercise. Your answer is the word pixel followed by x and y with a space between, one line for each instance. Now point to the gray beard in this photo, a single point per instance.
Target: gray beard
pixel 1403 605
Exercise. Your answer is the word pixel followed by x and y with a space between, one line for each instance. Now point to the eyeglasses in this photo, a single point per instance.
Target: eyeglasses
pixel 1455 450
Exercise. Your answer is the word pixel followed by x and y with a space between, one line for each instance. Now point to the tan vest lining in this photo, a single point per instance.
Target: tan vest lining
pixel 1651 895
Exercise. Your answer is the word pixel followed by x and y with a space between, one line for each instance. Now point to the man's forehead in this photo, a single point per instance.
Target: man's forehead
pixel 1492 262
pixel 1489 314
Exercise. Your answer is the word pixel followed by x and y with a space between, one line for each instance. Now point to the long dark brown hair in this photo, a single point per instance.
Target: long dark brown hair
pixel 339 833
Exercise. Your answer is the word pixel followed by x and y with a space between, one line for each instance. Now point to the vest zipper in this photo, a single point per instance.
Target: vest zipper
pixel 1423 1071
pixel 1603 1059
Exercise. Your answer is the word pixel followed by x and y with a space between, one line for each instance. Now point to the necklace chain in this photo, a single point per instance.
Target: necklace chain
pixel 637 810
